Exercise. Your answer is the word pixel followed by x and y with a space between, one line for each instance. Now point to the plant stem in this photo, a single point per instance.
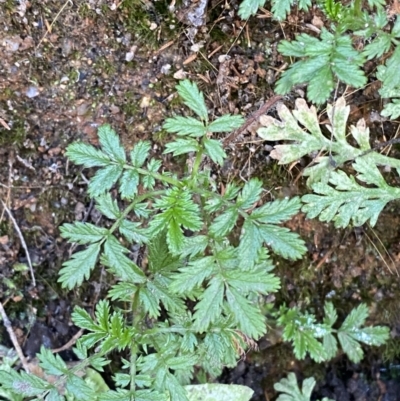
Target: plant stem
pixel 196 164
pixel 133 370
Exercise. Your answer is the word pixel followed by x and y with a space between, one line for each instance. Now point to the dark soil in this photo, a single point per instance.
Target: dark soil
pixel 67 68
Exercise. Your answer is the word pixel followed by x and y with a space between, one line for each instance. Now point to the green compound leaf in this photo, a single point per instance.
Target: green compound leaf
pixel 213 148
pixel 303 331
pixel 249 318
pixel 193 98
pixel 128 184
pixel 108 206
pixel 283 242
pixel 226 123
pixel 225 222
pixel 337 197
pixel 52 364
pixel 82 233
pixel 87 155
pixel 123 267
pixel 104 179
pixel 249 7
pixel 249 245
pixel 277 211
pixel 79 267
pixel 192 275
pixel 122 291
pixel 83 320
pixel 133 232
pixel 177 210
pixel 140 153
pixel 324 58
pixel 79 389
pixel 181 146
pixel 152 166
pixel 392 109
pixel 209 309
pixel 53 395
pixel 23 383
pixel 111 144
pixel 251 193
pixel 162 294
pixel 103 315
pixel 350 333
pixel 185 126
pixel 256 281
pixel 391 82
pixel 379 46
pixel 291 390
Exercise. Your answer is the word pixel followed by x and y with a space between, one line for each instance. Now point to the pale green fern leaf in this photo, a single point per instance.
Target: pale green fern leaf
pixel 209 308
pixel 391 83
pixel 249 7
pixel 312 141
pixel 87 155
pixel 225 222
pixel 226 123
pixel 193 98
pixel 325 58
pixel 291 390
pixel 124 268
pixel 214 150
pixel 185 126
pixel 148 180
pixel 277 211
pixel 250 194
pixel 133 232
pixel 83 233
pixel 23 383
pixel 181 146
pixel 108 206
pixel 111 144
pixel 140 153
pixel 52 364
pixel 193 275
pixel 283 241
pixel 248 317
pixel 351 333
pixel 79 267
pixel 128 184
pixel 104 179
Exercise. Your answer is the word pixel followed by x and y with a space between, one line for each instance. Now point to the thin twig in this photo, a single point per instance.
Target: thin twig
pixel 21 237
pixel 48 30
pixel 265 107
pixel 70 343
pixel 13 338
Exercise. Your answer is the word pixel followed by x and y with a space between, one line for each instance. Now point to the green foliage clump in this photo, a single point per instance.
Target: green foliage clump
pixel 331 57
pixel 338 197
pixel 292 392
pixel 195 297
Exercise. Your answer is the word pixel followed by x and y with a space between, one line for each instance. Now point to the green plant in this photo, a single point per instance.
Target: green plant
pixel 292 392
pixel 391 82
pixel 196 298
pixel 338 196
pixel 302 330
pixel 280 8
pixel 331 57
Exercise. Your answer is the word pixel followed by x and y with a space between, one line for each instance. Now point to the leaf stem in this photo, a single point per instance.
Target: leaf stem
pixel 133 370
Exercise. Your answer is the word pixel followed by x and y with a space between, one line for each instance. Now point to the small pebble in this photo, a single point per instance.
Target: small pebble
pixel 32 91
